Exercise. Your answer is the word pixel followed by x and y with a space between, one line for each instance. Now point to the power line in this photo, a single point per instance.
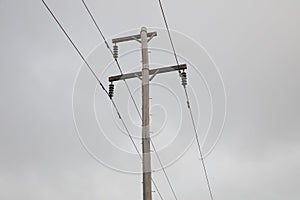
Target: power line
pixel 98 28
pixel 135 146
pixel 198 143
pixel 77 50
pixel 110 50
pixel 133 100
pixel 94 74
pixel 188 104
pixel 164 171
pixel 169 34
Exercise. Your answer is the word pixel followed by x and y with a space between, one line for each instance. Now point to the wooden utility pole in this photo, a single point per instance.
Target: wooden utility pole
pixel 147 191
pixel 144 38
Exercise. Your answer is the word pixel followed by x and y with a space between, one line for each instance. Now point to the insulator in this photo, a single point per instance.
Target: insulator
pixel 183 79
pixel 115 51
pixel 111 90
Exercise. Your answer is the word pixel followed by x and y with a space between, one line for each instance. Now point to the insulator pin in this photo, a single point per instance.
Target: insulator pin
pixel 183 78
pixel 111 90
pixel 115 51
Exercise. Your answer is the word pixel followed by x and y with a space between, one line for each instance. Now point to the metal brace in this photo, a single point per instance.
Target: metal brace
pixel 136 75
pixel 139 41
pixel 152 36
pixel 155 73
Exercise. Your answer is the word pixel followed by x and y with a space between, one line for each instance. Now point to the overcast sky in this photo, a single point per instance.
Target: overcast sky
pixel 48 100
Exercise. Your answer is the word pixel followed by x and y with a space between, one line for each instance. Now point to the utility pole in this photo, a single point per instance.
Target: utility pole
pixel 143 38
pixel 147 191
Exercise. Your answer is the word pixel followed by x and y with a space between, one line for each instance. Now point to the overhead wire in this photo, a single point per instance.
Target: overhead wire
pixel 198 144
pixel 188 104
pixel 130 93
pixel 164 170
pixel 75 47
pixel 168 30
pixel 110 50
pixel 102 86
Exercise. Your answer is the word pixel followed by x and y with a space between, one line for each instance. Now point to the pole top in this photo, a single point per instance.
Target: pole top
pixel 143 29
